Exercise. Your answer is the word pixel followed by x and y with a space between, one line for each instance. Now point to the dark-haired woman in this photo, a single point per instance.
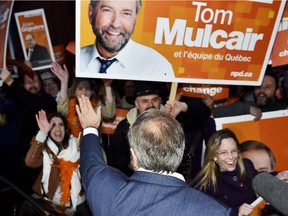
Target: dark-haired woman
pixel 56 150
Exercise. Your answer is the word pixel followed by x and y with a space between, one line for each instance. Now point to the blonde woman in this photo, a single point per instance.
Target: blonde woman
pixel 225 175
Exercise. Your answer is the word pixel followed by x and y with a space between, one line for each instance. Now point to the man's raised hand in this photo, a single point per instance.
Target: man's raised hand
pixel 87 115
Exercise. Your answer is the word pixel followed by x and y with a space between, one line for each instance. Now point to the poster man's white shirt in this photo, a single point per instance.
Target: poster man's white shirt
pixel 134 60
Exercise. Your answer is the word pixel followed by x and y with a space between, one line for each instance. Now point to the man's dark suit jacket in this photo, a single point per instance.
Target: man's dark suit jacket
pixel 110 192
pixel 40 56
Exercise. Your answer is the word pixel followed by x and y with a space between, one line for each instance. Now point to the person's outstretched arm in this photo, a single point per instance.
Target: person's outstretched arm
pixel 101 182
pixel 34 157
pixel 63 76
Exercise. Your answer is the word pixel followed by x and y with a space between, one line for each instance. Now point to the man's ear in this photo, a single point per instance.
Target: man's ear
pixel 90 12
pixel 136 104
pixel 134 162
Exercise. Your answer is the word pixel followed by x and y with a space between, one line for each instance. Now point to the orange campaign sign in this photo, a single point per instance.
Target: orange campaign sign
pixel 5 15
pixel 270 130
pixel 108 127
pixel 35 38
pixel 258 208
pixel 71 47
pixel 207 42
pixel 59 53
pixel 280 48
pixel 218 92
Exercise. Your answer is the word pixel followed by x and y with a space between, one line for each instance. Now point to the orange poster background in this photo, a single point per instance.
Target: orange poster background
pixel 280 49
pixel 272 132
pixel 285 13
pixel 246 14
pixel 258 208
pixel 109 127
pixel 59 53
pixel 71 47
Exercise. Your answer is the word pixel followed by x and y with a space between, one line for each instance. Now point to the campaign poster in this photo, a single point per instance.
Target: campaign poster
pixel 35 38
pixel 271 130
pixel 71 47
pixel 108 127
pixel 59 54
pixel 206 42
pixel 258 205
pixel 218 92
pixel 280 48
pixel 5 15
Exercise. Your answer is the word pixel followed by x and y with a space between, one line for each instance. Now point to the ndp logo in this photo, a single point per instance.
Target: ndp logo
pixel 241 74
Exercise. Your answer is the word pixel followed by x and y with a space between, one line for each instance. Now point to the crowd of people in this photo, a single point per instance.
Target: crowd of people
pixel 43 108
pixel 53 148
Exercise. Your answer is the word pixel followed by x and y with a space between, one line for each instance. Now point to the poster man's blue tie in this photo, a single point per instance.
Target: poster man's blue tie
pixel 105 64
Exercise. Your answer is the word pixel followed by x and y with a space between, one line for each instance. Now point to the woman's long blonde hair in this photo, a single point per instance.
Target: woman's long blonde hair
pixel 207 176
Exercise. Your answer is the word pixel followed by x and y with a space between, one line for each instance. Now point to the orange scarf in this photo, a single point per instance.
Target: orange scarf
pixel 72 118
pixel 66 171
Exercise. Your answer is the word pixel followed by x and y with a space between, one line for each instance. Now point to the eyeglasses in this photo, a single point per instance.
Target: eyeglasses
pixel 225 154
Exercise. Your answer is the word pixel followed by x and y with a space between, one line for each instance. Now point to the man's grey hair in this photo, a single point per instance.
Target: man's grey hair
pixel 158 141
pixel 138 4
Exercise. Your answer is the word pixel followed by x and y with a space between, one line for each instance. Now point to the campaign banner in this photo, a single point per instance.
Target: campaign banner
pixel 35 38
pixel 207 42
pixel 280 48
pixel 270 129
pixel 218 92
pixel 59 53
pixel 71 47
pixel 5 15
pixel 258 205
pixel 108 127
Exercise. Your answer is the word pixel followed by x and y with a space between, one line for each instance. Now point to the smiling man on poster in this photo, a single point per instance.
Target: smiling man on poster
pixel 38 55
pixel 113 25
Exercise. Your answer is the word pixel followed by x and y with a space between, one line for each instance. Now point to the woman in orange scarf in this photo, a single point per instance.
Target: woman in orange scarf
pixel 56 150
pixel 81 86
